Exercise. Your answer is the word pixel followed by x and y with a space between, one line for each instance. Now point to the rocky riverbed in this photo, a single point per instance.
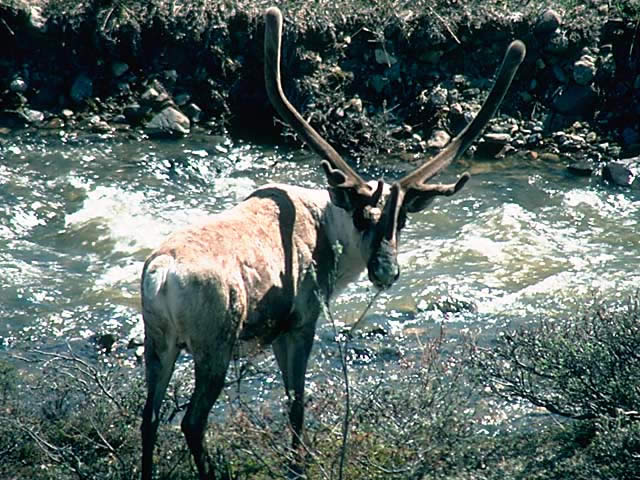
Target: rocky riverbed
pixel 376 81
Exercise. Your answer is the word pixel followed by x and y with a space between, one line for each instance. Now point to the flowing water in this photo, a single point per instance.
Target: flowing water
pixel 78 215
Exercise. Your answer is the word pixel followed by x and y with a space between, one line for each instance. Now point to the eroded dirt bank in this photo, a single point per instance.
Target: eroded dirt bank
pixel 393 78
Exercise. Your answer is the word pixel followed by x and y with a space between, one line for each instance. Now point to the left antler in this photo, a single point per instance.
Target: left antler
pixel 339 174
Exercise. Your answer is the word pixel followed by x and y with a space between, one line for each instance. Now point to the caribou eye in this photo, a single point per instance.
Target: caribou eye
pixel 366 217
pixel 361 220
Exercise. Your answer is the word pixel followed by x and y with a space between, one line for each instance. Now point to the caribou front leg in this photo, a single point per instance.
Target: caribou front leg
pixel 292 350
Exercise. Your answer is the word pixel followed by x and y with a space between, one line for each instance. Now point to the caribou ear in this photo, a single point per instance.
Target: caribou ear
pixel 347 194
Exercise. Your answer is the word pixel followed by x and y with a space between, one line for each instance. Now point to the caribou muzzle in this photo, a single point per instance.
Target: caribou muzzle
pixel 383 266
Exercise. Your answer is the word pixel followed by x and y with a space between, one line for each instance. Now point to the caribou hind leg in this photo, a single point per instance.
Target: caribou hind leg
pixel 160 357
pixel 210 370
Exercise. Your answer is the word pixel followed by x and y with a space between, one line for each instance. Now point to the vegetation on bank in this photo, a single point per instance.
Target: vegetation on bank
pixel 365 73
pixel 559 399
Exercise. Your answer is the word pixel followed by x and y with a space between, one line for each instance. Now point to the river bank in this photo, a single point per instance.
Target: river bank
pixel 392 79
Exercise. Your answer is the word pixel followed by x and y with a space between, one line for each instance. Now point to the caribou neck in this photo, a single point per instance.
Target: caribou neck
pixel 340 231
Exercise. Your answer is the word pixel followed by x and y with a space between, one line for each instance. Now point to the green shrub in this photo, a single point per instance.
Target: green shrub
pixel 585 371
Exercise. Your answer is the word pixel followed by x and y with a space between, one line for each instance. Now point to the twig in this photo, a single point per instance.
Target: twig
pixel 362 315
pixel 4 22
pixel 446 25
pixel 342 350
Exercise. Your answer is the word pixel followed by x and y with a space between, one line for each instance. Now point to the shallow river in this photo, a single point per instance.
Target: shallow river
pixel 78 215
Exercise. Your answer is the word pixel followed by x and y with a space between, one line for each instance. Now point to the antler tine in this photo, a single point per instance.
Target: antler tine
pixel 339 173
pixel 512 60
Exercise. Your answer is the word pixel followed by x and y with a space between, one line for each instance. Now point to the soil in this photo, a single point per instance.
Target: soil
pixel 376 81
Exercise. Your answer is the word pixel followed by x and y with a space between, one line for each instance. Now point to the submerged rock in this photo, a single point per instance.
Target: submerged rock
pixel 622 173
pixel 583 168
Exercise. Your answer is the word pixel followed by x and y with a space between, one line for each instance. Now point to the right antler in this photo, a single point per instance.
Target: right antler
pixel 339 174
pixel 418 191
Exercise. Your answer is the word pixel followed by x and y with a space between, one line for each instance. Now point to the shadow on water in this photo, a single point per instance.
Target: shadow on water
pixel 78 215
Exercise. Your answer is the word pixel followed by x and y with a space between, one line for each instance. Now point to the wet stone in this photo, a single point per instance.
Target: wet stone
pixel 448 304
pixel 439 96
pixel 193 111
pixel 548 22
pixel 33 116
pixel 98 125
pixel 36 19
pixel 575 100
pixel 18 85
pixel 182 99
pixel 497 137
pixel 81 89
pixel 169 122
pixel 151 96
pixel 54 123
pixel 439 139
pixel 584 70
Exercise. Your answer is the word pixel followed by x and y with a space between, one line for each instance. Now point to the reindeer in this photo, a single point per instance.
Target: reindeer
pixel 263 269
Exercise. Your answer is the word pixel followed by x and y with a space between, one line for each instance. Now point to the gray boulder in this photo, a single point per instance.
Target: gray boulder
pixel 169 122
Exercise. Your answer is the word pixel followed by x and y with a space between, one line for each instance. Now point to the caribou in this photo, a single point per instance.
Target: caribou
pixel 262 270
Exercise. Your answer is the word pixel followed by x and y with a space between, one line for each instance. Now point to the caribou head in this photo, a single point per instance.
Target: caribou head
pixel 379 211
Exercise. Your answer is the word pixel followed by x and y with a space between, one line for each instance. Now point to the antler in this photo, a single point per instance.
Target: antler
pixel 418 191
pixel 339 173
